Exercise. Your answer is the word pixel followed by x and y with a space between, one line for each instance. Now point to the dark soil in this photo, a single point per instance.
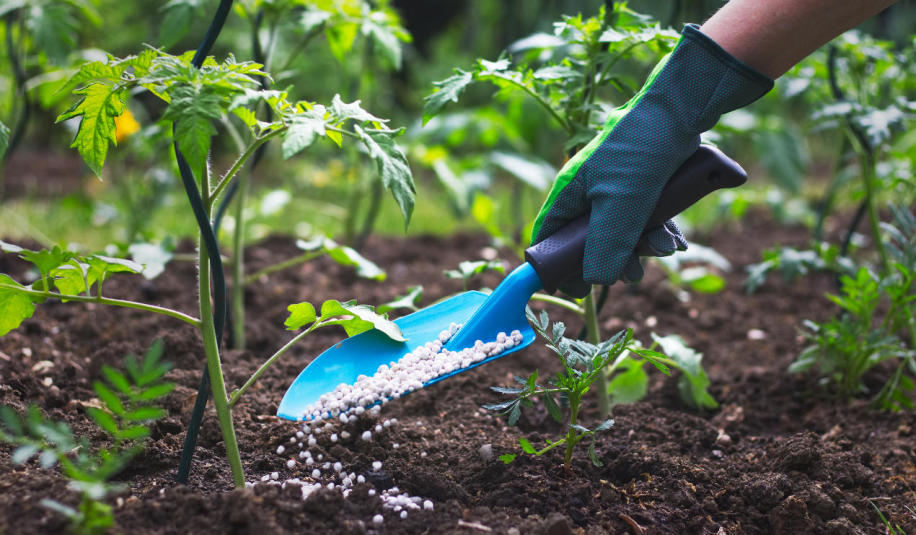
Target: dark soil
pixel 778 456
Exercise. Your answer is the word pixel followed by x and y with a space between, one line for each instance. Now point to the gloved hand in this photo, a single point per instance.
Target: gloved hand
pixel 620 174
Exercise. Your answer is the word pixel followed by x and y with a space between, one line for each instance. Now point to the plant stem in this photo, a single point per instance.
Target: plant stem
pixel 301 259
pixel 233 399
pixel 594 337
pixel 559 301
pixel 106 301
pixel 571 441
pixel 238 266
pixel 214 367
pixel 239 163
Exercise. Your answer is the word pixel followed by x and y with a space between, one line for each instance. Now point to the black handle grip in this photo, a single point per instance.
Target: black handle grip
pixel 559 257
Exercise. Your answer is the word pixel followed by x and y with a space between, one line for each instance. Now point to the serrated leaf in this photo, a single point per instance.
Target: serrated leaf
pixel 192 110
pixel 343 111
pixel 303 129
pixel 507 458
pixel 11 420
pixel 347 256
pixel 101 267
pixel 552 408
pixel 501 406
pixel 15 306
pixel 300 315
pixel 358 319
pixel 514 414
pixel 509 391
pixel 98 107
pixel 579 428
pixel 469 268
pixel 392 168
pixel 448 91
pixel 526 446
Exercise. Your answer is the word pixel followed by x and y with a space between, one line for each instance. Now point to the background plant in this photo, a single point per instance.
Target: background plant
pixel 128 404
pixel 877 324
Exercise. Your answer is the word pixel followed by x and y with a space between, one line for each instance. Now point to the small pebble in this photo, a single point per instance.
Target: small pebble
pixel 403 514
pixel 338 467
pixel 290 464
pixel 428 505
pixel 280 450
pixel 378 520
pixel 371 492
pixel 275 475
pixel 360 478
pixel 316 473
pixel 367 435
pixel 376 465
pixel 334 437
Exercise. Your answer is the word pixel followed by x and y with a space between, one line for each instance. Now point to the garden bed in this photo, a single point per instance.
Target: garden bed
pixel 776 457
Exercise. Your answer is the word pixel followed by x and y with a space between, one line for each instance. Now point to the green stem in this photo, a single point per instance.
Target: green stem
pixel 571 433
pixel 105 301
pixel 214 367
pixel 238 266
pixel 301 259
pixel 239 163
pixel 234 398
pixel 594 337
pixel 868 179
pixel 559 301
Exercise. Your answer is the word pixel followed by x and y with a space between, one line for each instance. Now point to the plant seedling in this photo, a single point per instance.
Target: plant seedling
pixel 582 363
pixel 129 405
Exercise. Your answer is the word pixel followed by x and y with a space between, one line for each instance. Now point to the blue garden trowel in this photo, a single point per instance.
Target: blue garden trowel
pixel 548 264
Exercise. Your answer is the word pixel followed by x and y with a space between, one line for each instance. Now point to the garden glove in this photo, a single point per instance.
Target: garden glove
pixel 620 174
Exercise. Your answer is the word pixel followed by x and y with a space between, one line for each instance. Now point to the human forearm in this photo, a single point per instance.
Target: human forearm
pixel 774 35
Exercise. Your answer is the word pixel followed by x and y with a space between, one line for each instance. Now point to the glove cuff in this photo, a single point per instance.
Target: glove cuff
pixel 692 33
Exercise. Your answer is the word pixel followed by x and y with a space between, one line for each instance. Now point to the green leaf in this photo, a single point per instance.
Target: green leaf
pixel 526 446
pixel 46 260
pixel 593 455
pixel 448 91
pixel 53 26
pixel 552 408
pixel 15 306
pixel 11 420
pixel 179 14
pixel 153 258
pixel 193 109
pixel 514 414
pixel 392 167
pixel 300 315
pixel 100 266
pixel 4 139
pixel 143 414
pixel 605 425
pixel 117 379
pixel 111 400
pixel 694 383
pixel 385 36
pixel 303 129
pixel 105 420
pixel 155 392
pixel 72 278
pixel 358 319
pixel 631 385
pixel 579 428
pixel 410 301
pixel 345 256
pixel 23 453
pixel 468 268
pixel 132 433
pixel 507 458
pixel 340 38
pixel 98 107
pixel 342 111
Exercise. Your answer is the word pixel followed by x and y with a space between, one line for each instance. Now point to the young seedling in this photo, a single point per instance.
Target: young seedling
pixel 583 363
pixel 877 324
pixel 129 405
pixel 468 269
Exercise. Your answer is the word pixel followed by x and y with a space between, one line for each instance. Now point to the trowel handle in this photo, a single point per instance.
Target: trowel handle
pixel 560 256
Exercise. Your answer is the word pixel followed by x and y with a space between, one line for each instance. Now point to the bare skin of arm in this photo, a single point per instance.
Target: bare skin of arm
pixel 774 35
